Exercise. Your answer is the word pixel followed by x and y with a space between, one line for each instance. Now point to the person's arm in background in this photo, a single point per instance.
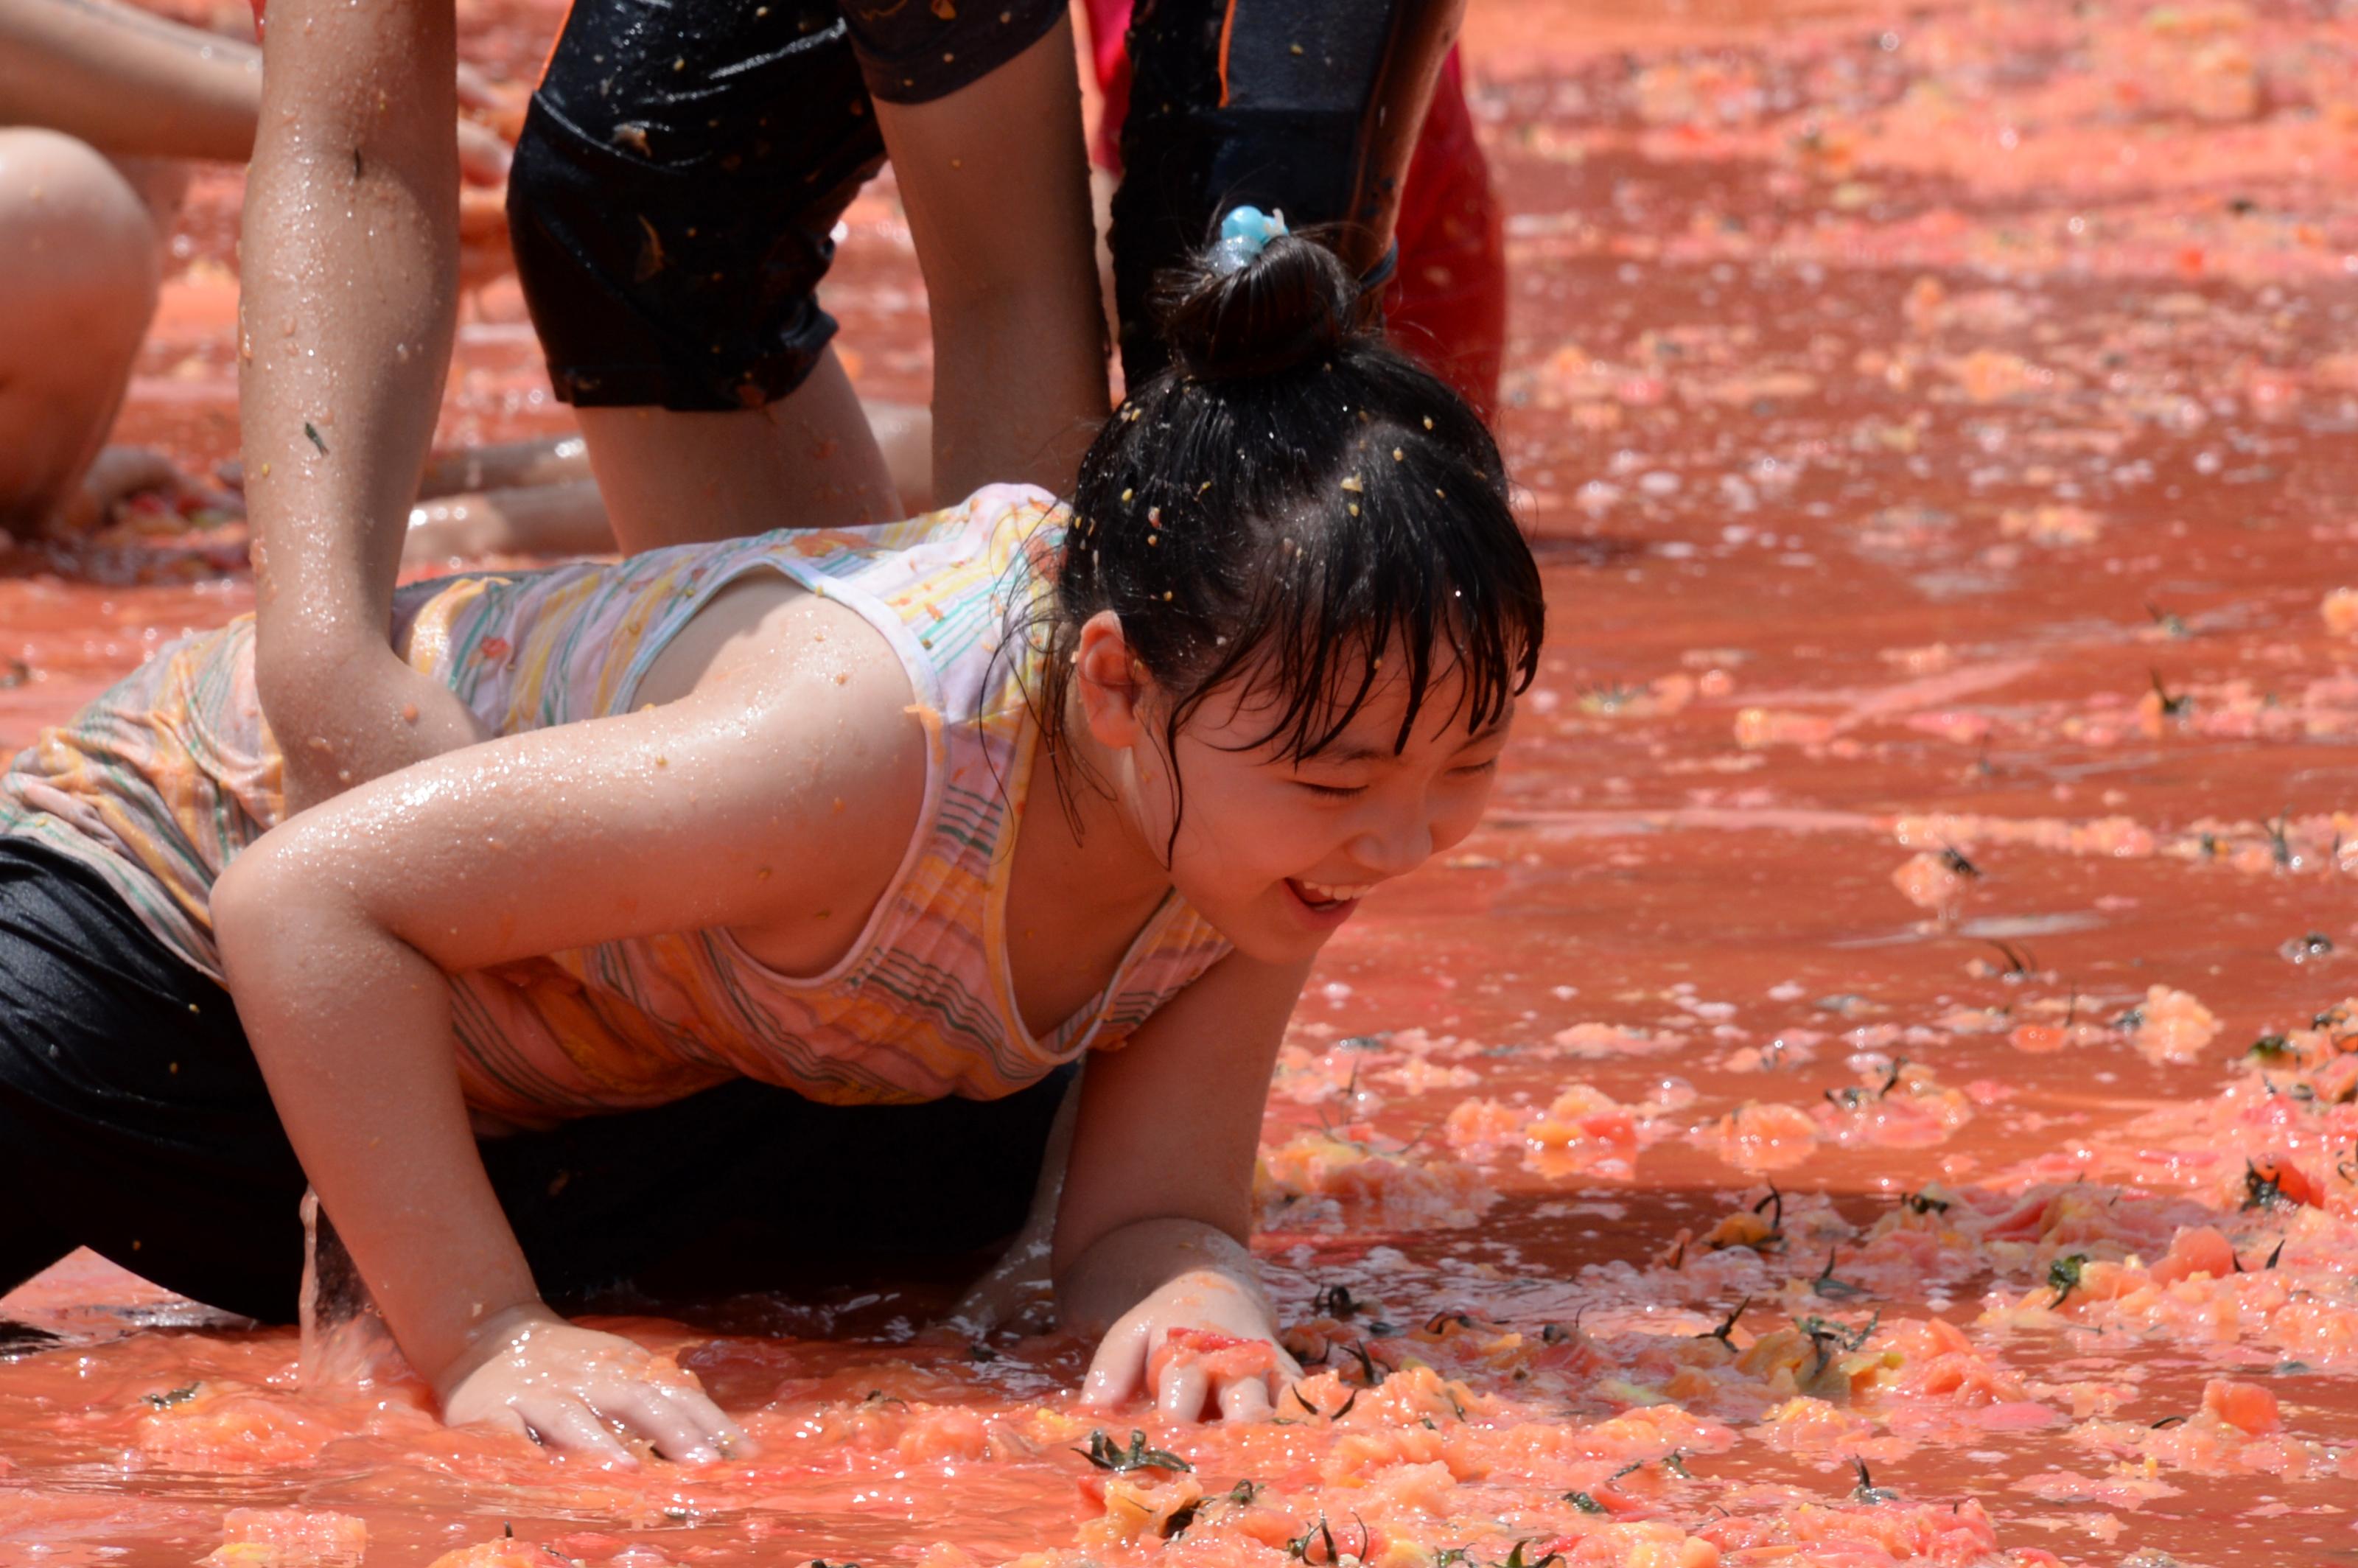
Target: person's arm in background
pixel 135 85
pixel 130 84
pixel 148 96
pixel 350 278
pixel 995 180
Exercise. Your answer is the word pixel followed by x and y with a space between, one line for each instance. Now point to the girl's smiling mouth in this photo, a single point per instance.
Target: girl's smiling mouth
pixel 1324 901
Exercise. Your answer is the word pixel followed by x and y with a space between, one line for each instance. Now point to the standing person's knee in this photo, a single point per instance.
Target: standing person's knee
pixel 78 247
pixel 73 228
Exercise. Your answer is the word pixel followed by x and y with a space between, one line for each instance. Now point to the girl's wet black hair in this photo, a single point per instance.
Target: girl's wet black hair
pixel 1295 505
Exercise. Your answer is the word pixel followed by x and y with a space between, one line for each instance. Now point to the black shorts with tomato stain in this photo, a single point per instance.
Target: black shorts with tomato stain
pixel 682 168
pixel 134 1121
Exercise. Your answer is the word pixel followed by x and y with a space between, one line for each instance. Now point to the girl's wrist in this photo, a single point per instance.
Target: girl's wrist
pixel 1130 1262
pixel 491 1336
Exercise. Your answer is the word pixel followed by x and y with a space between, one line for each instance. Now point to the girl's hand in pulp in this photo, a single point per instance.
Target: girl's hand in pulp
pixel 1202 1340
pixel 580 1391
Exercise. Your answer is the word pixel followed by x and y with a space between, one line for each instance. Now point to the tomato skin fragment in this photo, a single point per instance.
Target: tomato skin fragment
pixel 2248 1407
pixel 1221 1356
pixel 2198 1249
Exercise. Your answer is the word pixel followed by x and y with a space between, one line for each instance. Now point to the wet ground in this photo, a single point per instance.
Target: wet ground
pixel 1877 1088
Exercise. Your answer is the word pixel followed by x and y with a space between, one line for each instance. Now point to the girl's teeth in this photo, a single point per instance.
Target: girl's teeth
pixel 1325 894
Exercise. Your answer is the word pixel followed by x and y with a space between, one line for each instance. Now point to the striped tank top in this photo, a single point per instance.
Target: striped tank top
pixel 160 783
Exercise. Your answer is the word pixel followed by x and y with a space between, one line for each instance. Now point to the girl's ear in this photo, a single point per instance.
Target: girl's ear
pixel 1110 681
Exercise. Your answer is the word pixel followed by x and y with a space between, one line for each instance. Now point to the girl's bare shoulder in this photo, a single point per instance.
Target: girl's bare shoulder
pixel 822 708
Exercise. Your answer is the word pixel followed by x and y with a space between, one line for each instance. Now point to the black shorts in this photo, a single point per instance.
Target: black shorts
pixel 134 1121
pixel 681 168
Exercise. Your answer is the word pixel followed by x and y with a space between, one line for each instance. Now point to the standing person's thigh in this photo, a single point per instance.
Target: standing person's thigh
pixel 1311 107
pixel 980 106
pixel 672 204
pixel 78 250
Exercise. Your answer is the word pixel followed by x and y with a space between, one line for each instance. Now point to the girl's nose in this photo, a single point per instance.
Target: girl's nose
pixel 1395 847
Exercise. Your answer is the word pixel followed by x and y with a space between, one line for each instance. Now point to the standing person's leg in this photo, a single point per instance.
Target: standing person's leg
pixel 994 180
pixel 78 246
pixel 672 203
pixel 1313 109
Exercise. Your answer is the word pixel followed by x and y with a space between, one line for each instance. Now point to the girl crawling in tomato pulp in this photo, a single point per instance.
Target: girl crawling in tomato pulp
pixel 791 879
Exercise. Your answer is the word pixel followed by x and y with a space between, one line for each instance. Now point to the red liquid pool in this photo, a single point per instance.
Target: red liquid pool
pixel 1817 1120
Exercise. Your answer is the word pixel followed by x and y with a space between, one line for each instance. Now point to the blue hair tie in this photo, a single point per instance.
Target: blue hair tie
pixel 1244 232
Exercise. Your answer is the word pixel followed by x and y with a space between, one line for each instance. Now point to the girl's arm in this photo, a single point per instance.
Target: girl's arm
pixel 1154 1230
pixel 723 809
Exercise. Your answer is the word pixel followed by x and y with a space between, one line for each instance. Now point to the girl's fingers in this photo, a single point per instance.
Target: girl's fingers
pixel 1287 1371
pixel 725 1436
pixel 656 1417
pixel 1245 1398
pixel 1181 1397
pixel 1118 1367
pixel 564 1422
pixel 499 1418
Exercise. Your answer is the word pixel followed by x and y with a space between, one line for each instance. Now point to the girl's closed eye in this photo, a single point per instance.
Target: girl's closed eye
pixel 1332 791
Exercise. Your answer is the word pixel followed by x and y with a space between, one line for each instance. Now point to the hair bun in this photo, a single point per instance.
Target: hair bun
pixel 1295 300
